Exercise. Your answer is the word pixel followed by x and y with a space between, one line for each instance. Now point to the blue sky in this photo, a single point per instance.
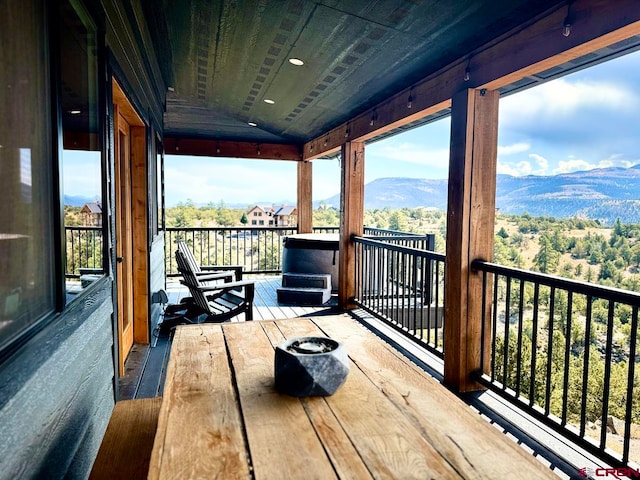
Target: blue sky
pixel 587 120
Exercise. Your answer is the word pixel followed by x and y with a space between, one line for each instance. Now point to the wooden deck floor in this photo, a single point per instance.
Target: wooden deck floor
pixel 146 364
pixel 265 306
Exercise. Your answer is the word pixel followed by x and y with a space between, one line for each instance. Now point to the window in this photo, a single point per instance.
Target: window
pixel 26 176
pixel 81 165
pixel 156 193
pixel 254 222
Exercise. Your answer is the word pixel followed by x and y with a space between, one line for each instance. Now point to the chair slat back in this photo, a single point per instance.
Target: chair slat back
pixel 189 256
pixel 192 282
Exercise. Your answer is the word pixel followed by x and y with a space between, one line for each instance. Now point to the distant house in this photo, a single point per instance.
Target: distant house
pixel 286 216
pixel 91 214
pixel 272 216
pixel 261 216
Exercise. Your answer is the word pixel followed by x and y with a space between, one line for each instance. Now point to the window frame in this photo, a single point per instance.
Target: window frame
pixel 51 47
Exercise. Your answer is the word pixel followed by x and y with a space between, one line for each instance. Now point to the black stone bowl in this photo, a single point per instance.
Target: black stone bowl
pixel 310 366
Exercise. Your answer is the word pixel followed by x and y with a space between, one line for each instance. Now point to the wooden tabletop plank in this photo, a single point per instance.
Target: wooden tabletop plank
pixel 282 442
pixel 468 443
pixel 386 440
pixel 344 456
pixel 200 428
pixel 389 420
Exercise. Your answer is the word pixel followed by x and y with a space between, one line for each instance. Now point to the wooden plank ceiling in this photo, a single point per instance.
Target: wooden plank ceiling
pixel 223 59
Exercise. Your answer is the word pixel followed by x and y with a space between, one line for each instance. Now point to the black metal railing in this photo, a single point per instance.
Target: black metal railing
pixel 259 249
pixel 564 351
pixel 401 281
pixel 83 250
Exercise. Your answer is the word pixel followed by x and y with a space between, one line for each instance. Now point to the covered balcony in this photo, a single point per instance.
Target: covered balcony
pixel 297 82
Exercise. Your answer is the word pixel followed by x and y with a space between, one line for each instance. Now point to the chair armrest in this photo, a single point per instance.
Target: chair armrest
pixel 237 269
pixel 205 277
pixel 220 286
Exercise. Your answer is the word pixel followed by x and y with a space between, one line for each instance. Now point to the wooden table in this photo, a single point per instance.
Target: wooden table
pixel 221 416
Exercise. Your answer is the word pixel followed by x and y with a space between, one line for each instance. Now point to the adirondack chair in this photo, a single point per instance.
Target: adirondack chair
pixel 205 270
pixel 215 302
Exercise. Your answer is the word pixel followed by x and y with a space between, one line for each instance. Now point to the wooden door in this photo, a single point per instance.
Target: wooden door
pixel 124 241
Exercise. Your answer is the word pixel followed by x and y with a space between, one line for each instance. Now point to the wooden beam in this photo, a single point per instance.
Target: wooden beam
pixel 227 149
pixel 305 202
pixel 351 218
pixel 527 50
pixel 471 204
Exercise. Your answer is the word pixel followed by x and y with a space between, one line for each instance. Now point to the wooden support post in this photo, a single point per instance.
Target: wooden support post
pixel 470 229
pixel 305 202
pixel 351 218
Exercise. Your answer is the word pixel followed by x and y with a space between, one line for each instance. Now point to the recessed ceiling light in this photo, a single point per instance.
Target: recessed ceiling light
pixel 251 124
pixel 269 101
pixel 296 61
pixel 75 112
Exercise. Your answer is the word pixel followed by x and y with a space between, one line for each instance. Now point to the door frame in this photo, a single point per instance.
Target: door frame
pixel 132 295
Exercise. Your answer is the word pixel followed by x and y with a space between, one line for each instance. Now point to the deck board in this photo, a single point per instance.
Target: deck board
pixel 265 306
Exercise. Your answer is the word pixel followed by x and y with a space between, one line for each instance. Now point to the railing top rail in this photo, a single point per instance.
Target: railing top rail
pixel 81 227
pixel 399 248
pixel 398 237
pixel 391 232
pixel 212 229
pixel 589 289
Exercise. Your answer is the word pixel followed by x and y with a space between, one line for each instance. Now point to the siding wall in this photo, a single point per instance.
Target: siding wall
pixel 56 393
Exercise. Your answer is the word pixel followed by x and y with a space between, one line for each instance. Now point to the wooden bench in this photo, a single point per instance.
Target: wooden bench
pixel 126 447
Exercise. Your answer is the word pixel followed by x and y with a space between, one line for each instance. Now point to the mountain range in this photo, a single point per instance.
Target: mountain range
pixel 603 194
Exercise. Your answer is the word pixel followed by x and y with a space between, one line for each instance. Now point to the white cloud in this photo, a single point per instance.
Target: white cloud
pixel 573 165
pixel 539 166
pixel 562 97
pixel 542 162
pixel 417 154
pixel 513 149
pixel 518 170
pixel 576 164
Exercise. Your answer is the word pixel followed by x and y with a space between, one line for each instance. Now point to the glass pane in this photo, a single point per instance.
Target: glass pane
pixel 26 240
pixel 81 164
